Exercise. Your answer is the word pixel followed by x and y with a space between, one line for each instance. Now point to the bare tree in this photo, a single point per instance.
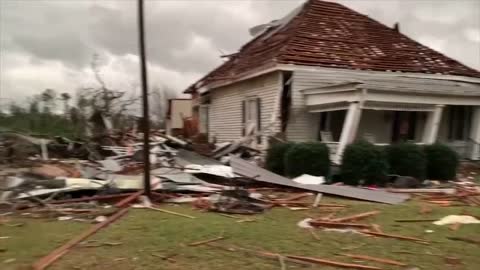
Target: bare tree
pixel 65 97
pixel 48 99
pixel 108 101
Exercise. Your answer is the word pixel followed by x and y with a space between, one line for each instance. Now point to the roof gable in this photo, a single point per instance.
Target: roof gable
pixel 328 34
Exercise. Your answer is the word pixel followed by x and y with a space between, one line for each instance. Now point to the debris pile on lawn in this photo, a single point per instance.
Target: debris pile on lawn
pixel 79 180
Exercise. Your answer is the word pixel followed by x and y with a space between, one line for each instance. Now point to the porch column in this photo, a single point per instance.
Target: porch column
pixel 433 123
pixel 349 130
pixel 475 134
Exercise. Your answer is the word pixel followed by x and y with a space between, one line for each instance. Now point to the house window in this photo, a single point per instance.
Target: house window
pixel 460 120
pixel 203 114
pixel 251 110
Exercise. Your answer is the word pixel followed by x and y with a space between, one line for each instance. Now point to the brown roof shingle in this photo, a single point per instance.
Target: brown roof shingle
pixel 328 34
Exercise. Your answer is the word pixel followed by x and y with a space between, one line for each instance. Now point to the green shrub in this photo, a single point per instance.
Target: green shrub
pixel 307 158
pixel 442 162
pixel 363 161
pixel 274 160
pixel 407 159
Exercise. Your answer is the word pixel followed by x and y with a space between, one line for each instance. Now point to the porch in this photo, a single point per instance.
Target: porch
pixel 347 112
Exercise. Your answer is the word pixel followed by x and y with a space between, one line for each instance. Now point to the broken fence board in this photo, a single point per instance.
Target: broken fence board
pixel 244 168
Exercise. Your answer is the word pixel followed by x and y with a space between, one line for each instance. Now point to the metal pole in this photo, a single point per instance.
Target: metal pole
pixel 146 120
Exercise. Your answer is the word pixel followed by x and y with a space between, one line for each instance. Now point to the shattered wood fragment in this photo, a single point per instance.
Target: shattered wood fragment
pixel 356 217
pixel 376 228
pixel 165 257
pixel 401 237
pixel 331 224
pixel 294 197
pixel 261 254
pixel 415 220
pixel 333 263
pixel 206 241
pixel 314 234
pixel 171 212
pixel 374 259
pixel 465 239
pixel 56 254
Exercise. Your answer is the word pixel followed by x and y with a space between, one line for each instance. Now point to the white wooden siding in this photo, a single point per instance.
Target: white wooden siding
pixel 225 110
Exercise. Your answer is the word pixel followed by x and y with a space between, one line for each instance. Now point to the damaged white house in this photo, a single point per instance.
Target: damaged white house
pixel 325 72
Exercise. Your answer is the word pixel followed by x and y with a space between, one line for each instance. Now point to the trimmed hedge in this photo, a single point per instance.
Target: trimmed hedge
pixel 407 159
pixel 307 158
pixel 275 159
pixel 364 163
pixel 442 162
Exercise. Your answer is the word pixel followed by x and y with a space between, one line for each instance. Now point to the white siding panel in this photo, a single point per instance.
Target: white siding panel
pixel 225 114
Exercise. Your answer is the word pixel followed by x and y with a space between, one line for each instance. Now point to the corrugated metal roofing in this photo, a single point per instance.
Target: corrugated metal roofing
pixel 327 34
pixel 244 168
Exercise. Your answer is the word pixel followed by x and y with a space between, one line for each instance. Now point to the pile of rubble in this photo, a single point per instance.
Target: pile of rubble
pixel 58 177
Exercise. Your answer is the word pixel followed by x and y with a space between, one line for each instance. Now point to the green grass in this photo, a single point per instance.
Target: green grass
pixel 146 233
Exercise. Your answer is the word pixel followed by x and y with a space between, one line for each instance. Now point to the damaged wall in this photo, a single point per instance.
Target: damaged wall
pixel 225 111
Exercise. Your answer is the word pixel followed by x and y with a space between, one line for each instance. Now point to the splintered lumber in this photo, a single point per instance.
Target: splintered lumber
pixel 401 237
pixel 465 239
pixel 415 220
pixel 206 241
pixel 262 254
pixel 56 254
pixel 294 197
pixel 356 217
pixel 333 263
pixel 374 259
pixel 171 212
pixel 331 224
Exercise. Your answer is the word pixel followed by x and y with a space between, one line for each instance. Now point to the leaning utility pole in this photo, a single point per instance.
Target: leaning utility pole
pixel 146 120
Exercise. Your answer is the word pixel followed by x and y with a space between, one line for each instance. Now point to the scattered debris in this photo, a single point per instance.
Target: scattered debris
pixel 356 217
pixel 465 239
pixel 400 237
pixel 374 259
pixel 332 263
pixel 171 212
pixel 456 219
pixel 206 241
pixel 307 179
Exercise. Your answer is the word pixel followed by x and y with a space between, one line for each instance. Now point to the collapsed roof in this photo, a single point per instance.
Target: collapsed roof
pixel 326 34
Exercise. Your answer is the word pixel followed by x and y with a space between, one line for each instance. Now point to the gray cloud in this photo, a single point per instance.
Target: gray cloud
pixel 49 43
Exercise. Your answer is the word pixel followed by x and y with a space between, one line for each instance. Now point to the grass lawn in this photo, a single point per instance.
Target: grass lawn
pixel 147 235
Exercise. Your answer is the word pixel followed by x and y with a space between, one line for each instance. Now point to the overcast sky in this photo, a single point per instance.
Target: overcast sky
pixel 50 43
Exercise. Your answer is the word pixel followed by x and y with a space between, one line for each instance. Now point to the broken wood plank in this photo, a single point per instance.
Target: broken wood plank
pixel 415 220
pixel 171 212
pixel 206 241
pixel 261 254
pixel 333 263
pixel 56 254
pixel 330 224
pixel 465 239
pixel 374 259
pixel 356 217
pixel 294 197
pixel 400 237
pixel 314 234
